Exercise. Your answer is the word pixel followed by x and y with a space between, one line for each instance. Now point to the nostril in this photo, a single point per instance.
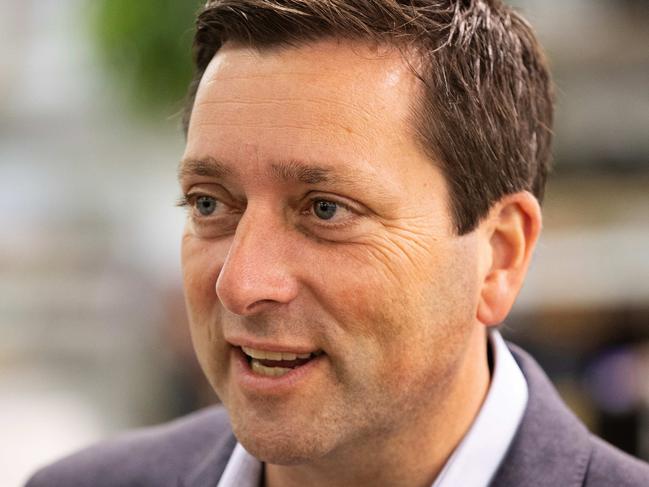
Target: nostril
pixel 262 304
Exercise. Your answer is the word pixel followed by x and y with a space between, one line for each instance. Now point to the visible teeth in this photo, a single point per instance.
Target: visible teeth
pixel 274 355
pixel 265 355
pixel 251 352
pixel 268 371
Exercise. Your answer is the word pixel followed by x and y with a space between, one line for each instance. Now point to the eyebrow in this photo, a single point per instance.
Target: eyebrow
pixel 303 173
pixel 209 167
pixel 289 171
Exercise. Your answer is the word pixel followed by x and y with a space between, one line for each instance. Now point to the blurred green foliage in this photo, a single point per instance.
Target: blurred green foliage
pixel 146 47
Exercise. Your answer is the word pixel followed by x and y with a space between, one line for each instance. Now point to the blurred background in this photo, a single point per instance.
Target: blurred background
pixel 93 334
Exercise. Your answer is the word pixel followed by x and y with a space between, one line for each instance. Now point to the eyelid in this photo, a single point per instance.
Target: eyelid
pixel 354 213
pixel 216 191
pixel 188 200
pixel 339 200
pixel 211 189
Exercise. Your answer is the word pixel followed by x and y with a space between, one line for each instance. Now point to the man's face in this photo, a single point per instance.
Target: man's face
pixel 316 224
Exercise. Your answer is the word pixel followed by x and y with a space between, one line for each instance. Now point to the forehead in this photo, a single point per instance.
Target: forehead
pixel 329 103
pixel 334 68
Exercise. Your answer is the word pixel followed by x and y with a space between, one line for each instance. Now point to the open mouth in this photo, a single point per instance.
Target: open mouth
pixel 276 364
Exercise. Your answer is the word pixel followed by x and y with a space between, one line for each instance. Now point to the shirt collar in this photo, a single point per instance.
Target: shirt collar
pixel 242 470
pixel 478 456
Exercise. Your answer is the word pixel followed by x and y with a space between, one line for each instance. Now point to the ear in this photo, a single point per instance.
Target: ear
pixel 509 235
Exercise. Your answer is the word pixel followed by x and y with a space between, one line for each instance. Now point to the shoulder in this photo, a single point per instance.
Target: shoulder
pixel 610 466
pixel 552 447
pixel 158 455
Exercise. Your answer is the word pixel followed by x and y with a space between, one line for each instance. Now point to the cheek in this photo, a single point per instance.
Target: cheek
pixel 374 293
pixel 202 261
pixel 371 315
pixel 405 328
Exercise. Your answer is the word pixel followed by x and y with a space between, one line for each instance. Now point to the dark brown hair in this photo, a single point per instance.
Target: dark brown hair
pixel 485 114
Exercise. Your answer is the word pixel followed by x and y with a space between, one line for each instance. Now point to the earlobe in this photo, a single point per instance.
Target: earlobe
pixel 494 302
pixel 510 234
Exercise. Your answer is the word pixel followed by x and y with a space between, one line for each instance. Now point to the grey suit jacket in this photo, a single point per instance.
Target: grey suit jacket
pixel 552 448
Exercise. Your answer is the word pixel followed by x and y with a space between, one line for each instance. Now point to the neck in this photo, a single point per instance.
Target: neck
pixel 413 455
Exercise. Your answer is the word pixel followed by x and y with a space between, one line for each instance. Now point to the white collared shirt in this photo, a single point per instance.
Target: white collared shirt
pixel 475 460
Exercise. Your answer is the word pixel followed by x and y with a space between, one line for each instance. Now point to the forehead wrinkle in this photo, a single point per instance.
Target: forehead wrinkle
pixel 362 110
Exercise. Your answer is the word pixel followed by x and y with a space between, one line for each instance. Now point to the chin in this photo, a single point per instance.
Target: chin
pixel 281 451
pixel 280 444
pixel 279 454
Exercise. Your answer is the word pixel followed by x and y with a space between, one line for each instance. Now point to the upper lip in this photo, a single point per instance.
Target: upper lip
pixel 272 346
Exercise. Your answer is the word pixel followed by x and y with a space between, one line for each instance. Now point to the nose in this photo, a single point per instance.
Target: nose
pixel 257 274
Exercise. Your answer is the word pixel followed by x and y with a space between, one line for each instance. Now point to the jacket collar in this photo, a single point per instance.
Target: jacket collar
pixel 552 447
pixel 209 469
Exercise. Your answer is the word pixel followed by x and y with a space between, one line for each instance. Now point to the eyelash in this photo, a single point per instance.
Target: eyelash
pixel 323 223
pixel 186 201
pixel 182 202
pixel 189 201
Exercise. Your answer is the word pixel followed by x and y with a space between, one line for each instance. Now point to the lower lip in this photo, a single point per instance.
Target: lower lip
pixel 253 382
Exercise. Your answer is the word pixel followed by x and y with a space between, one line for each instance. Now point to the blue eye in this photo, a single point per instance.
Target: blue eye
pixel 206 205
pixel 324 210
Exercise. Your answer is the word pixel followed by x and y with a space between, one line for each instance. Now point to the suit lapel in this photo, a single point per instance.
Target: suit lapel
pixel 552 447
pixel 209 469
